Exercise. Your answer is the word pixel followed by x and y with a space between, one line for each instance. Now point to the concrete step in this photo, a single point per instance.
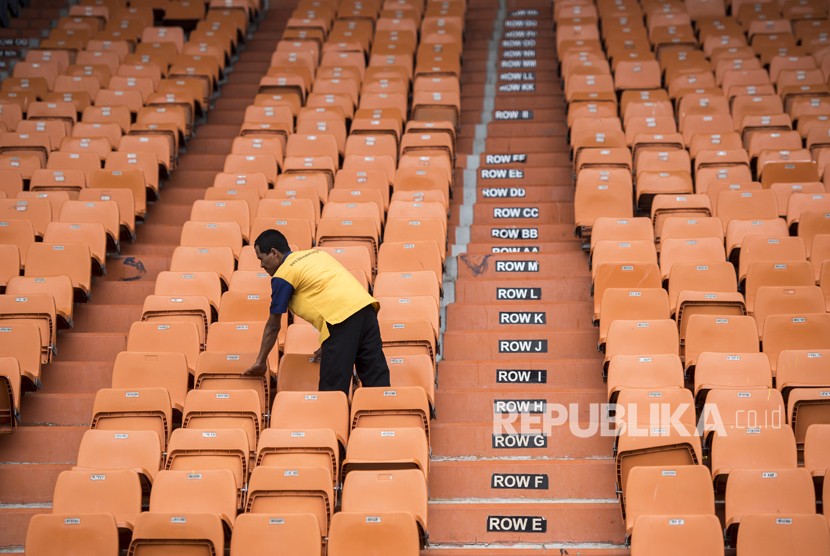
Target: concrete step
pixel 532 316
pixel 55 445
pixel 526 522
pixel 69 410
pixel 507 346
pixel 98 346
pixel 130 293
pixel 14 521
pixel 136 267
pixel 530 478
pixel 94 317
pixel 575 439
pixel 29 483
pixel 76 377
pixel 475 406
pixel 192 161
pixel 520 375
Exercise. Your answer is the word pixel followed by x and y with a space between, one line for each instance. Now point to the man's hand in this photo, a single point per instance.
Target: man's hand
pixel 257 369
pixel 315 358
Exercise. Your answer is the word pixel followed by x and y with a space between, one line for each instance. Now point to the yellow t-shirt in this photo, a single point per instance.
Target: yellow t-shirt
pixel 321 290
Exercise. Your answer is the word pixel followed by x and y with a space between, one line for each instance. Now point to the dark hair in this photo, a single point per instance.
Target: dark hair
pixel 272 239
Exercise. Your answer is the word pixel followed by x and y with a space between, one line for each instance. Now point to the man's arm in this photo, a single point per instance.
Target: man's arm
pixel 269 338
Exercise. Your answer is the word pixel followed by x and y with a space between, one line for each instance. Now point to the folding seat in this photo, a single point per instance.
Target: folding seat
pixel 263 163
pixel 730 371
pixel 694 287
pixel 779 249
pixel 631 337
pixel 37 309
pixel 795 331
pixel 147 162
pixel 10 387
pixel 103 213
pixel 387 449
pixel 767 534
pixel 737 230
pixel 742 447
pixel 18 233
pixel 812 224
pixel 390 408
pixel 740 408
pixel 816 457
pixel 223 211
pixel 661 490
pixel 54 534
pixel 626 303
pixel 407 336
pixel 131 180
pixel 138 450
pixel 212 234
pixel 345 232
pixel 298 372
pixel 240 306
pixel 72 181
pixel 789 172
pixel 209 491
pixel 36 211
pixel 303 448
pixel 692 535
pixel 665 206
pixel 25 165
pixel 162 308
pixel 54 259
pixel 301 338
pixel 304 490
pixel 420 182
pixel 113 491
pixel 166 370
pixel 675 228
pixel 720 334
pixel 351 534
pixel 623 252
pixel 209 409
pixel 287 209
pixel 170 337
pixel 755 491
pixel 133 409
pixel 251 281
pixel 10 115
pixel 244 337
pixel 191 283
pixel 317 410
pixel 774 300
pixel 46 70
pixel 153 140
pixel 387 491
pixel 222 370
pixel 746 205
pixel 654 440
pixel 643 371
pixel 773 273
pixel 208 449
pixel 422 282
pixel 9 263
pixel 258 533
pixel 410 256
pixel 204 259
pixel 707 250
pixel 819 252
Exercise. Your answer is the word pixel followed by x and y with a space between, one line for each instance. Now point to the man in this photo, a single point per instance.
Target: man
pixel 318 289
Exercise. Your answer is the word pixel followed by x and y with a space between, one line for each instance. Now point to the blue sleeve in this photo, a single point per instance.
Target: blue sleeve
pixel 281 292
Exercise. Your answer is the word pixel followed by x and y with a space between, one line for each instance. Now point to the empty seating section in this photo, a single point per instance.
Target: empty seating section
pixel 699 139
pixel 349 147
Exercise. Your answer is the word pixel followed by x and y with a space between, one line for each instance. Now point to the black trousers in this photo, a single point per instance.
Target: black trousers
pixel 355 342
